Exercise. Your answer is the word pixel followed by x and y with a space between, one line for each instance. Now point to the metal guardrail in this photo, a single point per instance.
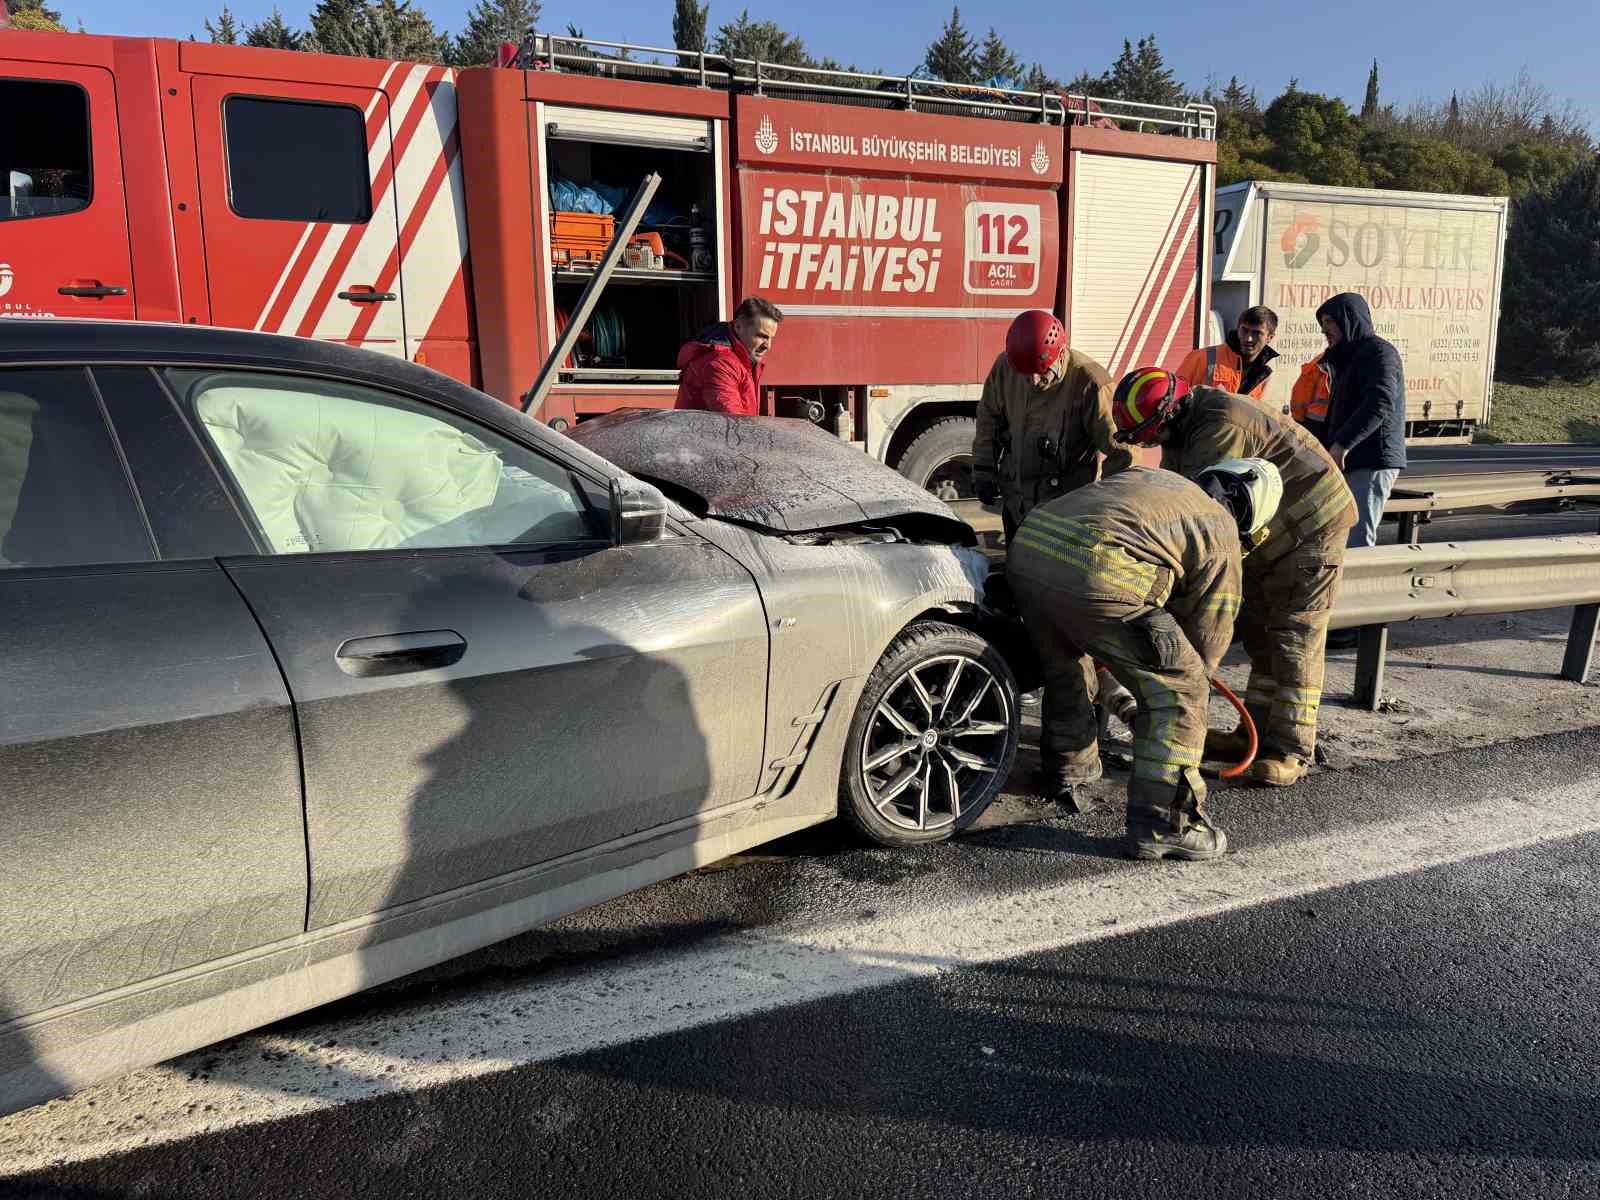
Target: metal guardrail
pixel 1192 120
pixel 662 64
pixel 1435 495
pixel 1386 584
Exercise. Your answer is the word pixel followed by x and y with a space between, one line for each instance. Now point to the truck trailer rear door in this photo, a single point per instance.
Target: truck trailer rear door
pixel 1137 245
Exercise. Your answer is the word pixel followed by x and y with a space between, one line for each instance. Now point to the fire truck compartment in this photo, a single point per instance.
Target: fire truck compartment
pixel 668 291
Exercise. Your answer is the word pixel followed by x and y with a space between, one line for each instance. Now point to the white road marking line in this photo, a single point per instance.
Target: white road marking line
pixel 268 1078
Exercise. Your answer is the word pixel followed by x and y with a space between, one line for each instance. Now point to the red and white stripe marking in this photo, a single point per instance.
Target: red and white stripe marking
pixel 1167 296
pixel 413 160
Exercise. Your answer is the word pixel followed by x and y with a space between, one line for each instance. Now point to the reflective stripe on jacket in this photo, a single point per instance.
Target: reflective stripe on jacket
pixel 1016 422
pixel 1214 426
pixel 1224 367
pixel 1149 537
pixel 1308 401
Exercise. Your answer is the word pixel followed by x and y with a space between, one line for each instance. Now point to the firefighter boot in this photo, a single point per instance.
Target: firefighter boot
pixel 1176 827
pixel 1227 747
pixel 1278 770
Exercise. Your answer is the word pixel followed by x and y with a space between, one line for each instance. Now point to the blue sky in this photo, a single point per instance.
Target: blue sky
pixel 1421 49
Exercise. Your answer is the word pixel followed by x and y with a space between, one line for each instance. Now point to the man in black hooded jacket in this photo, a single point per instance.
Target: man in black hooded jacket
pixel 1366 432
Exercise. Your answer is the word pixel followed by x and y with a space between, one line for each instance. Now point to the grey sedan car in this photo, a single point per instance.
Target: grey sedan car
pixel 320 668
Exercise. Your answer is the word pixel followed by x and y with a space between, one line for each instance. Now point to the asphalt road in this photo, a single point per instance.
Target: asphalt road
pixel 1387 989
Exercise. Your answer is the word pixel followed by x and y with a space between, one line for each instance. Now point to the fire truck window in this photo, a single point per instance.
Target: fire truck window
pixel 64 497
pixel 294 161
pixel 44 159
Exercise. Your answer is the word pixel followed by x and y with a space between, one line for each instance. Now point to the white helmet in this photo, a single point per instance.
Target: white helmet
pixel 1250 487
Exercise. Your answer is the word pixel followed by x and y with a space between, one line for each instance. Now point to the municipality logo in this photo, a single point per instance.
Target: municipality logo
pixel 6 278
pixel 1040 162
pixel 766 136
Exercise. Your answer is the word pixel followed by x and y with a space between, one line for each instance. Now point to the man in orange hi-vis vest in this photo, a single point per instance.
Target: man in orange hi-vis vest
pixel 1244 364
pixel 1308 402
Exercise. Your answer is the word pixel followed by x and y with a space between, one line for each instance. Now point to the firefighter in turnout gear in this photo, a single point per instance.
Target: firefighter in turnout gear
pixel 1141 572
pixel 1290 579
pixel 1043 421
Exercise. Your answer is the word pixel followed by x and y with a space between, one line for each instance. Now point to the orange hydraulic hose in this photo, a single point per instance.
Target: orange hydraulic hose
pixel 1247 724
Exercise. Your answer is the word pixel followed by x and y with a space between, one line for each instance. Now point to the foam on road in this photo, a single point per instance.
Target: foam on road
pixel 272 1076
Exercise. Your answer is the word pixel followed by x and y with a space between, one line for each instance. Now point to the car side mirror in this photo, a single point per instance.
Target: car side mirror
pixel 638 513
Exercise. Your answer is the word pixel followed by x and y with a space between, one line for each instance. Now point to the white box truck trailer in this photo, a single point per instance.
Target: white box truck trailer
pixel 1429 265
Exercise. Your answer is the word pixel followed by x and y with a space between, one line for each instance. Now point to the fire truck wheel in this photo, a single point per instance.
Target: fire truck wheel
pixel 940 458
pixel 933 738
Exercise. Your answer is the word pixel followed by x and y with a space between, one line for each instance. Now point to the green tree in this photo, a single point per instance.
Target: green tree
pixel 1369 106
pixel 1238 100
pixel 1550 317
pixel 689 25
pixel 762 40
pixel 489 23
pixel 1038 79
pixel 1413 164
pixel 995 64
pixel 1141 75
pixel 226 31
pixel 954 57
pixel 1539 164
pixel 1315 138
pixel 35 15
pixel 274 34
pixel 338 27
pixel 1085 84
pixel 391 29
pixel 1243 150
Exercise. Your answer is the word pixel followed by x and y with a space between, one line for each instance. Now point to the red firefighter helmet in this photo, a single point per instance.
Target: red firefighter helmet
pixel 1144 402
pixel 1034 342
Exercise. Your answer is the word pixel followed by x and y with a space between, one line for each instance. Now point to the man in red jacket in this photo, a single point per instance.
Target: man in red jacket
pixel 721 369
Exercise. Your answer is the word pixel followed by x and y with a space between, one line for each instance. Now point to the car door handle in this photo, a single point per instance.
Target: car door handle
pixel 98 289
pixel 368 297
pixel 398 653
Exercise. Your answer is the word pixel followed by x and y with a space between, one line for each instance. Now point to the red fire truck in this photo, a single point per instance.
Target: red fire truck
pixel 414 210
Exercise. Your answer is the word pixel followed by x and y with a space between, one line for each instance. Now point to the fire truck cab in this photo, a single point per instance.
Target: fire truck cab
pixel 455 217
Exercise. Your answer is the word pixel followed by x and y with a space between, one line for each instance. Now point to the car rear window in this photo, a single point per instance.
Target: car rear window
pixel 64 495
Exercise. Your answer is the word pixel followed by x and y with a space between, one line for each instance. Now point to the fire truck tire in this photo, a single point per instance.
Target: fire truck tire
pixel 933 738
pixel 940 458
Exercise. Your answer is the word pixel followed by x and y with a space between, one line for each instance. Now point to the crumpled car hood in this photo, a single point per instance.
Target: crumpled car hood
pixel 771 472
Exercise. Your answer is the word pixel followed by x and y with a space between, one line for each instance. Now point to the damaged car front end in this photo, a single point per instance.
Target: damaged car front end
pixel 884 656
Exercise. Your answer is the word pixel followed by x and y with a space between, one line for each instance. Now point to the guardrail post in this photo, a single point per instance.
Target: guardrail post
pixel 1410 526
pixel 1580 642
pixel 1371 651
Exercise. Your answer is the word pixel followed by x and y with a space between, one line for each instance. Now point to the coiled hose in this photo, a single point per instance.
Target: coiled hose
pixel 1245 723
pixel 604 338
pixel 1125 712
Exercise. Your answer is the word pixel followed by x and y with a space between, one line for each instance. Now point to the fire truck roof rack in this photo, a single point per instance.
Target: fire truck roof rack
pixel 664 64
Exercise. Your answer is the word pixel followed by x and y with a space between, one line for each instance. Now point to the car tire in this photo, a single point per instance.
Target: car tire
pixel 940 458
pixel 933 738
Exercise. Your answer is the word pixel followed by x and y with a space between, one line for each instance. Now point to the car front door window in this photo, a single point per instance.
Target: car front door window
pixel 326 466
